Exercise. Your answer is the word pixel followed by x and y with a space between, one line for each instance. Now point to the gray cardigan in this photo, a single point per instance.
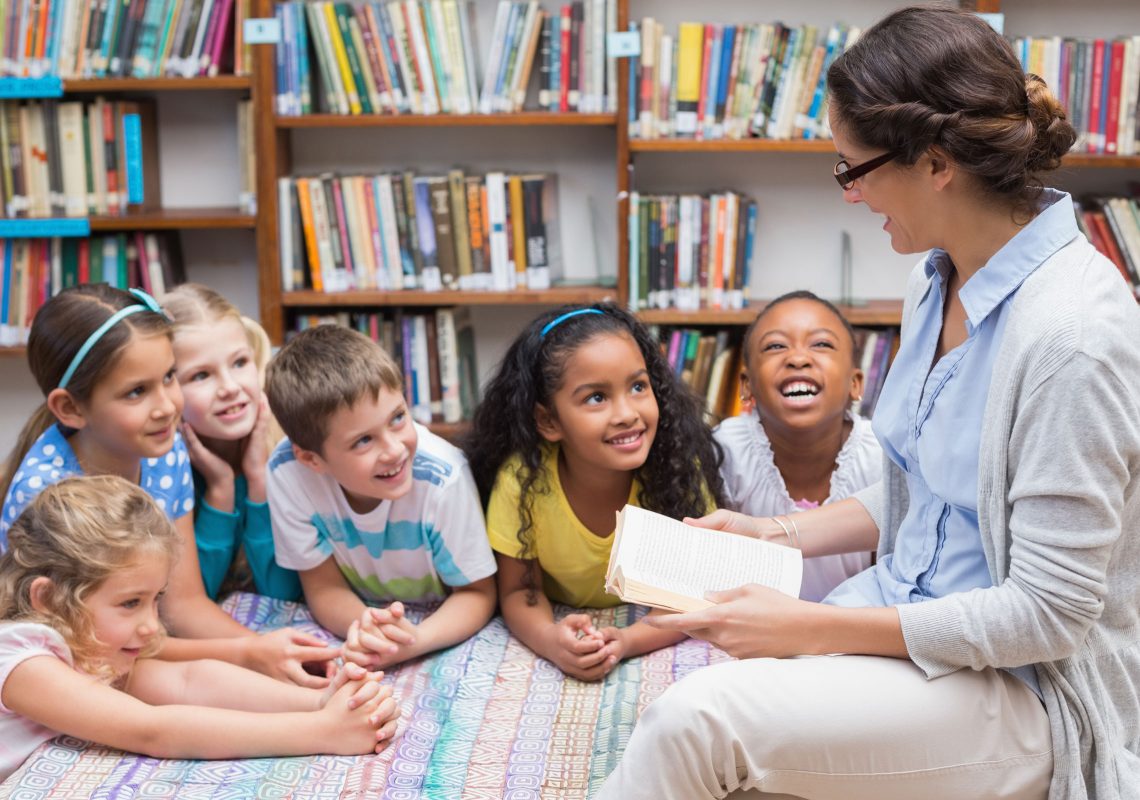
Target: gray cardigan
pixel 1059 512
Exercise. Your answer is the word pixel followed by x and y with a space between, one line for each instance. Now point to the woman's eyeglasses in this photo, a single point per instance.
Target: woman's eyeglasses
pixel 846 175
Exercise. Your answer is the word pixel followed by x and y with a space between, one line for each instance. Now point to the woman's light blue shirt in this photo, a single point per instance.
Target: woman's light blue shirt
pixel 929 422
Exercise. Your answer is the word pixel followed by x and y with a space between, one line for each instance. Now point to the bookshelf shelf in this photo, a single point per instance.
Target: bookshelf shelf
pixel 582 294
pixel 176 219
pixel 1091 160
pixel 523 119
pixel 872 312
pixel 731 146
pixel 449 430
pixel 15 351
pixel 220 82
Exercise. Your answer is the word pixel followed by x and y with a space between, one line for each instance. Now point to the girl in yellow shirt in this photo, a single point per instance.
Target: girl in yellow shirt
pixel 583 417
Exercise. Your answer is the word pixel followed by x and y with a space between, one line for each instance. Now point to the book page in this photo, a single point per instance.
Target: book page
pixel 679 558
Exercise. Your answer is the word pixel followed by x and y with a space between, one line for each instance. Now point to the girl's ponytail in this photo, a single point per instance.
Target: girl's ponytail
pixel 40 420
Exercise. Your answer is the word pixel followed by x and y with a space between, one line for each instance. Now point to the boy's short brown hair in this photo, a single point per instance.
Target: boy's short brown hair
pixel 322 370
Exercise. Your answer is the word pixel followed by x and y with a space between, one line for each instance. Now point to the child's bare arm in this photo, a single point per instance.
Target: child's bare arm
pixel 333 603
pixel 463 614
pixel 186 607
pixel 48 691
pixel 638 639
pixel 571 644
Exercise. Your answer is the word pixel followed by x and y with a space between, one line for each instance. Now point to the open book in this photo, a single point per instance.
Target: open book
pixel 658 561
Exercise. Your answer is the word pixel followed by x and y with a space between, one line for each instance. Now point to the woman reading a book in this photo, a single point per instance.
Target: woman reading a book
pixel 993 648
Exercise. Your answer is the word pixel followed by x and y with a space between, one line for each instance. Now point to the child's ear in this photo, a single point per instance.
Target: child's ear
pixel 65 408
pixel 39 593
pixel 310 459
pixel 745 388
pixel 857 385
pixel 547 424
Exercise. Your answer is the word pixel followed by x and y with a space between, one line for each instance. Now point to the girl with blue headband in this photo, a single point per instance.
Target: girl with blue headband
pixel 104 361
pixel 583 417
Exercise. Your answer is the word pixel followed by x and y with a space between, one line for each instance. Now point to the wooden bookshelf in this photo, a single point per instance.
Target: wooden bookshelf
pixel 522 119
pixel 451 431
pixel 220 82
pixel 176 219
pixel 731 146
pixel 1103 161
pixel 871 313
pixel 17 351
pixel 557 296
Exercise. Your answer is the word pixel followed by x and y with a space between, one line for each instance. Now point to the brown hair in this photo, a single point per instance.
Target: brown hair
pixel 926 76
pixel 59 330
pixel 322 370
pixel 77 533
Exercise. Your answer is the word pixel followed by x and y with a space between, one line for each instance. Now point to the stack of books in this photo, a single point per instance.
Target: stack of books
pixel 435 349
pixel 714 81
pixel 1112 224
pixel 37 269
pixel 690 251
pixel 1098 83
pixel 136 38
pixel 418 57
pixel 709 364
pixel 395 231
pixel 72 159
pixel 874 349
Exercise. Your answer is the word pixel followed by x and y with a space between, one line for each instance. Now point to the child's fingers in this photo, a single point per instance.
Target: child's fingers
pixel 298 675
pixel 365 691
pixel 306 639
pixel 377 643
pixel 590 660
pixel 397 634
pixel 585 644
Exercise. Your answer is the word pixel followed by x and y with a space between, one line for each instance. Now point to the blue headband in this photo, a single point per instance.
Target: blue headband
pixel 554 323
pixel 148 304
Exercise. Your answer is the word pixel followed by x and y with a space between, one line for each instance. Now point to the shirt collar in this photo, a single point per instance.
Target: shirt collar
pixel 1054 226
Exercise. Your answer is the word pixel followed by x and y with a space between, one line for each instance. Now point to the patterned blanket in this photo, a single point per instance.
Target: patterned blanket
pixel 484 719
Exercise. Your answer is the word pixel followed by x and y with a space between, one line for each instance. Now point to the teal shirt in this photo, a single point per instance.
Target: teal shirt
pixel 219 535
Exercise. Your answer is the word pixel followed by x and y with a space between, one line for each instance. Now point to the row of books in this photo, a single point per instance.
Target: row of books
pixel 72 158
pixel 137 38
pixel 690 251
pixel 418 56
pixel 1112 224
pixel 711 81
pixel 1098 83
pixel 397 231
pixel 435 349
pixel 247 156
pixel 36 269
pixel 874 350
pixel 709 364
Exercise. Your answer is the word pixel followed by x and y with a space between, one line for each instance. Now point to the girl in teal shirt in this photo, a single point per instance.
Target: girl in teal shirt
pixel 229 433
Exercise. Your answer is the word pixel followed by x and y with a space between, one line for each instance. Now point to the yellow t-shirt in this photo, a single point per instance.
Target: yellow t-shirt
pixel 573 558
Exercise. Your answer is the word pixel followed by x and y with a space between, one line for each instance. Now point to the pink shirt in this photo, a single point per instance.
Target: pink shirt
pixel 19 736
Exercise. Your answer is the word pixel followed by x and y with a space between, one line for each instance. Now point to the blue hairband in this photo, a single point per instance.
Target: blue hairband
pixel 554 323
pixel 148 304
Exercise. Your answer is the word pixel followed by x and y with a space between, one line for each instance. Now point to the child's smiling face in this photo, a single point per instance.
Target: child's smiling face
pixel 801 366
pixel 604 413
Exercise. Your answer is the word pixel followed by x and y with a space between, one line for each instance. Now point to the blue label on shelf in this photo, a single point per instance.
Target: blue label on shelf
pixel 44 228
pixel 14 88
pixel 623 44
pixel 262 30
pixel 132 147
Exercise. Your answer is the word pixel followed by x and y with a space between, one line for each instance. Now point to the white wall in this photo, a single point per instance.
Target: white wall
pixel 801 210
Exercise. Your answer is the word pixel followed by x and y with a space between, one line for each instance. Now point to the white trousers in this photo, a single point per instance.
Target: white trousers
pixel 842 727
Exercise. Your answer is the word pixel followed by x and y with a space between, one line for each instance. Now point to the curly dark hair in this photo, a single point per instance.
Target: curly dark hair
pixel 684 458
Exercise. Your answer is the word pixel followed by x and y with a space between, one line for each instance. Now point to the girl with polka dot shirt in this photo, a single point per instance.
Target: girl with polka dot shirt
pixel 104 361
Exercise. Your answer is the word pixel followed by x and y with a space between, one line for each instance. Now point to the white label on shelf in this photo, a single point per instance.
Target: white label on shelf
pixel 262 30
pixel 996 21
pixel 623 44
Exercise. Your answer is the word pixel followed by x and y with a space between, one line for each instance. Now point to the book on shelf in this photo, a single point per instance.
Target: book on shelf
pixel 1112 225
pixel 37 269
pixel 68 158
pixel 712 81
pixel 1097 81
pixel 400 231
pixel 419 57
pixel 874 349
pixel 690 251
pixel 247 156
pixel 123 38
pixel 435 351
pixel 708 362
pixel 661 562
